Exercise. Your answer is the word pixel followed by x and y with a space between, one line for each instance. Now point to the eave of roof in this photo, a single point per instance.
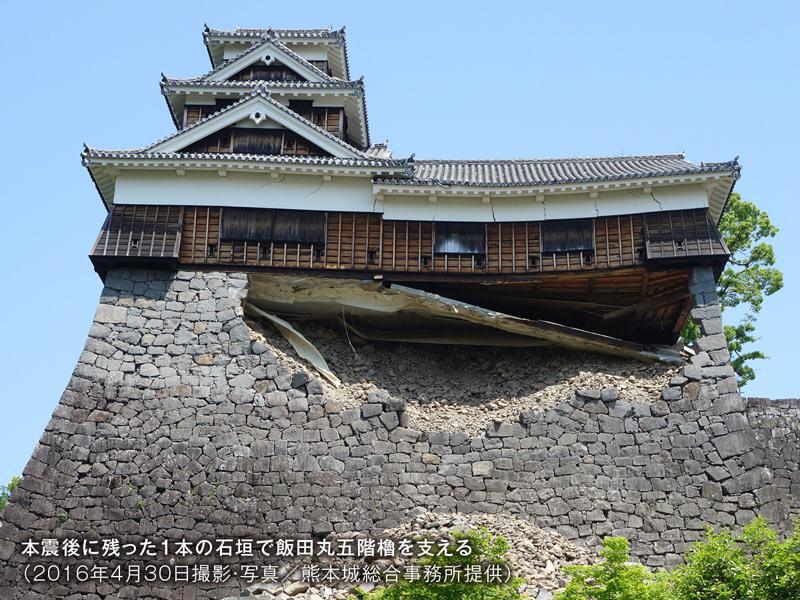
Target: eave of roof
pixel 327 34
pixel 104 165
pixel 560 171
pixel 271 39
pixel 175 85
pixel 263 93
pixel 92 155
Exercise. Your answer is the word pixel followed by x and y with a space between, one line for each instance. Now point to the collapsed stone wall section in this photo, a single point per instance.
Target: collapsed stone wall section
pixel 177 424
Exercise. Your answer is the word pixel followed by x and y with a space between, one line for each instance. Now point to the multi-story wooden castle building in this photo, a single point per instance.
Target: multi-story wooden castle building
pixel 272 169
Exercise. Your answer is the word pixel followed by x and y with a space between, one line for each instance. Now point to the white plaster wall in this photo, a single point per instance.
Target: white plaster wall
pixel 249 190
pixel 554 206
pixel 310 192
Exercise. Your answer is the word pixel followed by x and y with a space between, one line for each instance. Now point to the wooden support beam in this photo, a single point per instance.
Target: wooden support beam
pixel 648 303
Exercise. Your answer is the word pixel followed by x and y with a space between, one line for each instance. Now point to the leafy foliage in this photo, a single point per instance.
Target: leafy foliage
pixel 749 277
pixel 753 565
pixel 615 578
pixel 717 568
pixel 486 549
pixel 5 491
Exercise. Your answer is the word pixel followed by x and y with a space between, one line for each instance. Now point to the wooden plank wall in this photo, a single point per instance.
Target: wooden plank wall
pixel 682 233
pixel 140 231
pixel 363 241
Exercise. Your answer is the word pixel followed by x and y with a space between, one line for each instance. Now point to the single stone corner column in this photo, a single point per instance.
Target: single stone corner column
pixel 707 313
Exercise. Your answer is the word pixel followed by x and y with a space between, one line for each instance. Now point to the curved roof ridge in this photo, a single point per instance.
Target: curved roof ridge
pixel 253 83
pixel 563 159
pixel 280 32
pixel 90 152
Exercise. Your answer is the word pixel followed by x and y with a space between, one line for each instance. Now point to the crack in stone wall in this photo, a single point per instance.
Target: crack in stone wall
pixel 179 423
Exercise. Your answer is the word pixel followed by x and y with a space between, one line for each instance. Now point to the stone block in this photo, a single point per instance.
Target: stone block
pixel 734 444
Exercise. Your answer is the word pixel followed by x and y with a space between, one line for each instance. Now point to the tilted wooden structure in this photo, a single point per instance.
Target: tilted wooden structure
pixel 272 169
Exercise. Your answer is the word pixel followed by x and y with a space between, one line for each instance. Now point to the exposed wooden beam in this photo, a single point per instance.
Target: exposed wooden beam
pixel 646 304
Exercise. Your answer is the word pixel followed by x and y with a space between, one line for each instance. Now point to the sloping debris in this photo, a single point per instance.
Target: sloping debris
pixel 382 312
pixel 305 349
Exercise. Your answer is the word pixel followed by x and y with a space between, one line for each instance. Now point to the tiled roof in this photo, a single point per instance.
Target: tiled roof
pixel 537 172
pixel 370 161
pixel 167 83
pixel 245 32
pixel 274 40
pixel 261 92
pixel 338 35
pixel 380 150
pixel 195 82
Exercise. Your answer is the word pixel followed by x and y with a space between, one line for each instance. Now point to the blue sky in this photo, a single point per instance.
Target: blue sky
pixel 444 79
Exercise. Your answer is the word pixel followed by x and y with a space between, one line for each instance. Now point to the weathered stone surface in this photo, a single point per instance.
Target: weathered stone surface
pixel 178 421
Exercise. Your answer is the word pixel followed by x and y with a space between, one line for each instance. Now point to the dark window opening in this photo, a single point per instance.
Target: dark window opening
pixel 566 236
pixel 257 141
pixel 302 107
pixel 250 140
pixel 533 261
pixel 480 261
pixel 134 244
pixel 372 256
pixel 258 225
pixel 319 252
pixel 322 65
pixel 212 250
pixel 460 238
pixel 262 72
pixel 426 262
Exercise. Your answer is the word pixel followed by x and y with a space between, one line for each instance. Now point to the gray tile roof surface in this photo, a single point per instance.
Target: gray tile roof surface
pixel 195 82
pixel 369 161
pixel 169 83
pixel 338 35
pixel 538 172
pixel 245 32
pixel 261 92
pixel 274 40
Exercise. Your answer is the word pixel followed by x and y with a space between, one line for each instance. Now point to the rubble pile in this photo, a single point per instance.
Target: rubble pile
pixel 462 388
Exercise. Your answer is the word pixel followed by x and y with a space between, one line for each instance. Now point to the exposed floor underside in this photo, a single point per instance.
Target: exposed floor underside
pixel 375 311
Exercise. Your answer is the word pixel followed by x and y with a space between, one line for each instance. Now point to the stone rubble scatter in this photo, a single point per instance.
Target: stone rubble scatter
pixel 180 422
pixel 463 388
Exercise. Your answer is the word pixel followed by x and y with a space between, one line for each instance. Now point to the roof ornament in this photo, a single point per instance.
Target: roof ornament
pixel 268 59
pixel 257 117
pixel 260 90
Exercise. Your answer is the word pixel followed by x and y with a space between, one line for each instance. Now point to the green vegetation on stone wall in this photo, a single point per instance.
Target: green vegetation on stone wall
pixel 486 549
pixel 5 491
pixel 753 565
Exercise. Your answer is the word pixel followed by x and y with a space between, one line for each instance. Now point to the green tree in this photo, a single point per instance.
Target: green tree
pixel 749 277
pixel 615 578
pixel 5 491
pixel 755 565
pixel 752 565
pixel 486 549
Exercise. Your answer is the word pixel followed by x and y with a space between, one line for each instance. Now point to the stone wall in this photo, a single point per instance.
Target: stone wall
pixel 177 423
